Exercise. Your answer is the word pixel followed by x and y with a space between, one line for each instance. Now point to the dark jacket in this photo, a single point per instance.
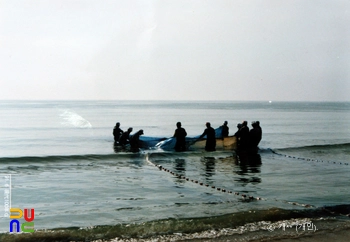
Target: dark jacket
pixel 243 138
pixel 180 135
pixel 135 140
pixel 125 138
pixel 117 132
pixel 211 139
pixel 224 131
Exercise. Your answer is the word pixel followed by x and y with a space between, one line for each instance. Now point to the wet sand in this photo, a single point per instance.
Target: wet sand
pixel 342 235
pixel 318 236
pixel 337 232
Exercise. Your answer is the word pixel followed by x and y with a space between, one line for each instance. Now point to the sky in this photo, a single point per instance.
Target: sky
pixel 290 50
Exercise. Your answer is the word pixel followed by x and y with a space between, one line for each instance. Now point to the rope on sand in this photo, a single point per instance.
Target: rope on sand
pixel 308 159
pixel 243 196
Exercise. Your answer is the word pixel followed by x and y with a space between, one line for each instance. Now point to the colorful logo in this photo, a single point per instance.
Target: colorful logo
pixel 17 213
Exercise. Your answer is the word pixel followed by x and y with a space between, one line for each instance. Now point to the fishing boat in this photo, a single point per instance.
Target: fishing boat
pixel 192 143
pixel 226 143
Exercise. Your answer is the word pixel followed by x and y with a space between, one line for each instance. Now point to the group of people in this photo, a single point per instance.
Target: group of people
pixel 123 138
pixel 247 140
pixel 180 136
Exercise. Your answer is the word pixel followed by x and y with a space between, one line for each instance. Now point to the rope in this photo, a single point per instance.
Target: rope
pixel 308 159
pixel 243 196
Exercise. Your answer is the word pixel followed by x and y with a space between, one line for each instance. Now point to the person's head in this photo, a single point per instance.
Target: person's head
pixel 140 132
pixel 207 124
pixel 129 130
pixel 225 123
pixel 117 124
pixel 244 123
pixel 239 125
pixel 178 124
pixel 254 124
pixel 257 123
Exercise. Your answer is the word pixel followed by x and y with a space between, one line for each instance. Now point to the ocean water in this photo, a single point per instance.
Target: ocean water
pixel 61 160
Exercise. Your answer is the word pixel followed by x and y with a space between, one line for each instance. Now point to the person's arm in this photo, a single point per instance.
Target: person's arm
pixel 204 133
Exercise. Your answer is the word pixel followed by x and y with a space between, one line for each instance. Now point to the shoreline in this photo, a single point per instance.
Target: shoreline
pixel 338 234
pixel 337 230
pixel 303 229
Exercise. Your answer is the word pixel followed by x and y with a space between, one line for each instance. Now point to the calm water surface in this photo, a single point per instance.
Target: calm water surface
pixel 62 163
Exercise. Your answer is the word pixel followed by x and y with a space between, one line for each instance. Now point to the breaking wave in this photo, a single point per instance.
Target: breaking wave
pixel 73 119
pixel 243 224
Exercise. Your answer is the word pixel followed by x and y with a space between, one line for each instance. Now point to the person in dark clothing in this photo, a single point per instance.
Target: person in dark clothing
pixel 125 138
pixel 180 135
pixel 210 145
pixel 254 139
pixel 117 132
pixel 259 129
pixel 243 137
pixel 224 132
pixel 239 126
pixel 134 140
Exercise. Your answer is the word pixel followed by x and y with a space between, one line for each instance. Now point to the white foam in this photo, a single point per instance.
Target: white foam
pixel 70 118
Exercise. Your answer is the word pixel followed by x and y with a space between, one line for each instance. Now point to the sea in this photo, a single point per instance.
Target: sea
pixel 59 165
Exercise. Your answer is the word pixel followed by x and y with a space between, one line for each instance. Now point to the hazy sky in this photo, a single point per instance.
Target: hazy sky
pixel 292 50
